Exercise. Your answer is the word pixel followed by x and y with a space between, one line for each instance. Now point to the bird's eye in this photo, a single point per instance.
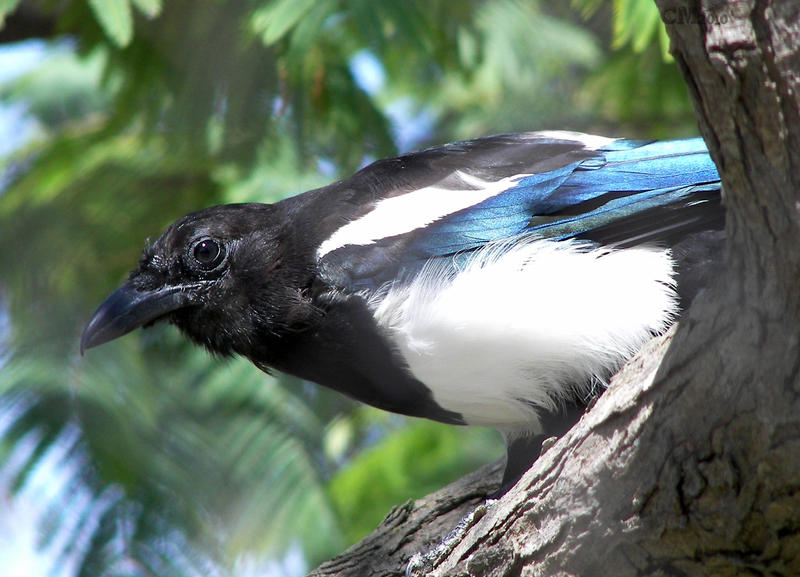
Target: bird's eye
pixel 207 253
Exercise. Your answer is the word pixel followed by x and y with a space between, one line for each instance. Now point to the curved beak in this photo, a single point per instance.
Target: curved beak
pixel 127 309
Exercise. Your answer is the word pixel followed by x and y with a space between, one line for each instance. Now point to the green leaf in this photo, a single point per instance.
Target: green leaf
pixel 150 8
pixel 274 20
pixel 636 22
pixel 664 42
pixel 587 8
pixel 116 19
pixel 6 8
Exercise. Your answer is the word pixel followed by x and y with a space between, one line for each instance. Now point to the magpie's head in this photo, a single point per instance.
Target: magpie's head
pixel 224 276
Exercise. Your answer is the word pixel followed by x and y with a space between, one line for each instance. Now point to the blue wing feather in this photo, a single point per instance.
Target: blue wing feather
pixel 580 197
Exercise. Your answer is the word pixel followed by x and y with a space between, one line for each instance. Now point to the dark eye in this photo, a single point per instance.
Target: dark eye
pixel 207 253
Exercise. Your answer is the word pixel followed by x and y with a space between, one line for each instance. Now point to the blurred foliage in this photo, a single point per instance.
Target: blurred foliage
pixel 408 464
pixel 6 7
pixel 76 82
pixel 636 23
pixel 167 461
pixel 499 87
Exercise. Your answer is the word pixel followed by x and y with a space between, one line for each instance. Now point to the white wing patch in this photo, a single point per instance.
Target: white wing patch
pixel 590 141
pixel 399 214
pixel 524 327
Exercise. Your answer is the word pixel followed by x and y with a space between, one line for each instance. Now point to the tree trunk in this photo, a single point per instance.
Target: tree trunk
pixel 690 466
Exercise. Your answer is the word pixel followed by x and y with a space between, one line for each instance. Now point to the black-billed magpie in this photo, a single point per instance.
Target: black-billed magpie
pixel 490 282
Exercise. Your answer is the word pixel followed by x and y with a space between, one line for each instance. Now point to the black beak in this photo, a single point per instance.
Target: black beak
pixel 127 309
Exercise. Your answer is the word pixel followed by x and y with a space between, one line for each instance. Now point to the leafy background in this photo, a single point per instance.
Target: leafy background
pixel 148 457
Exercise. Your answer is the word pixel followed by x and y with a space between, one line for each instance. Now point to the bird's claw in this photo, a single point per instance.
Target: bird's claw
pixel 421 564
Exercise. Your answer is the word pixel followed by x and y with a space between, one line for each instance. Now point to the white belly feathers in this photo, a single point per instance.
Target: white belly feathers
pixel 524 327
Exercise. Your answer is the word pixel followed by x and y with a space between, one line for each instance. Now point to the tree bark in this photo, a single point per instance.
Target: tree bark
pixel 690 466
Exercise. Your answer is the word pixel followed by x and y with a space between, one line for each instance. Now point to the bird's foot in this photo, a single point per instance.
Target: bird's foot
pixel 423 563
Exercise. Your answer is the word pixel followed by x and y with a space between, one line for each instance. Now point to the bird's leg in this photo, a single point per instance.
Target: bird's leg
pixel 521 452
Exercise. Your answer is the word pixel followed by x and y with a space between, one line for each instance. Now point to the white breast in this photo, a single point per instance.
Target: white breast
pixel 522 328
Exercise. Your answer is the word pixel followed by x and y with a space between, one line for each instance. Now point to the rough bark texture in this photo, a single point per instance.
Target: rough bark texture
pixel 690 466
pixel 413 527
